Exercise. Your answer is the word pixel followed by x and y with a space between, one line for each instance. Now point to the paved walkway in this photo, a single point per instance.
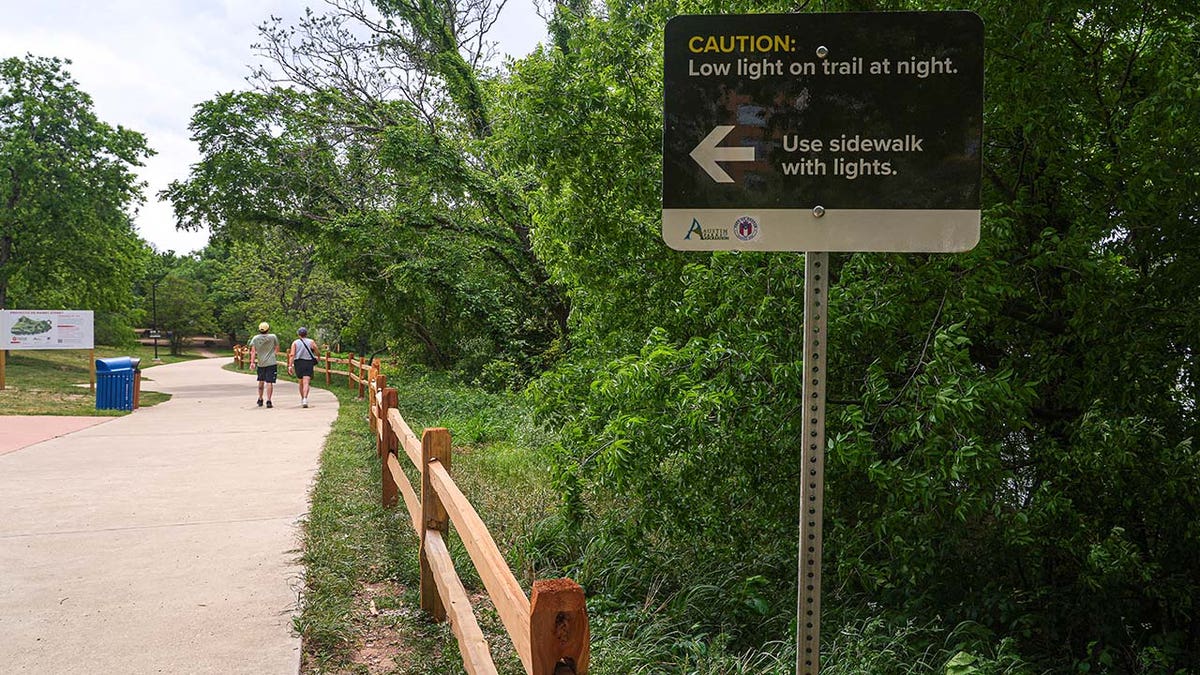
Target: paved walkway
pixel 164 541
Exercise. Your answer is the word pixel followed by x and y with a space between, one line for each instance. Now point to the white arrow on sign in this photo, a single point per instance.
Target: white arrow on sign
pixel 707 154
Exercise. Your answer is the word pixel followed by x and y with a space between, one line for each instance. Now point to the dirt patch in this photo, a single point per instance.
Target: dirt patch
pixel 382 641
pixel 385 643
pixel 394 637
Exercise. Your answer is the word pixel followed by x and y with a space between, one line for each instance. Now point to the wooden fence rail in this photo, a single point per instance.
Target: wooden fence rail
pixel 549 630
pixel 356 370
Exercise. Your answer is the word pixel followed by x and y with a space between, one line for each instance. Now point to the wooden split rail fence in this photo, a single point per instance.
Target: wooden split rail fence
pixel 357 370
pixel 548 630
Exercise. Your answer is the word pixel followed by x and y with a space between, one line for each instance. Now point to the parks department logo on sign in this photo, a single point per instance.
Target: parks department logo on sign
pixel 829 132
pixel 702 234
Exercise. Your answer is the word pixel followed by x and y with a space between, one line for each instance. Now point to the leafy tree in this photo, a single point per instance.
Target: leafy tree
pixel 376 159
pixel 66 190
pixel 183 310
pixel 581 121
pixel 277 277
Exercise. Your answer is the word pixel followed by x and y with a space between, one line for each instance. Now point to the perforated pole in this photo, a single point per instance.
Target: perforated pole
pixel 812 484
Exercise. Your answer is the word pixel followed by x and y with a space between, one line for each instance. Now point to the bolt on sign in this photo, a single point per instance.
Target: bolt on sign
pixel 823 132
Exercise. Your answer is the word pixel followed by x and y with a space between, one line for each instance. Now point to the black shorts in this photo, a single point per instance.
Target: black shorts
pixel 267 373
pixel 304 367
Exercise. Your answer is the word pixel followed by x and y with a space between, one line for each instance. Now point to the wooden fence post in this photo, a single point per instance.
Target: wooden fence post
pixel 435 447
pixel 328 365
pixel 350 370
pixel 376 416
pixel 391 490
pixel 372 370
pixel 559 639
pixel 372 402
pixel 391 399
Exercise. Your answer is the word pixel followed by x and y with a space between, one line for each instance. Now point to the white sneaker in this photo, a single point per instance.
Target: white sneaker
pixel 303 403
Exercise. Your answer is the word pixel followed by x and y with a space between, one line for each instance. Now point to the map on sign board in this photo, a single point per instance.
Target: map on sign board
pixel 823 132
pixel 46 329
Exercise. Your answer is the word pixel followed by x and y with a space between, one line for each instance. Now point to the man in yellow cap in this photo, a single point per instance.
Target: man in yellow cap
pixel 262 352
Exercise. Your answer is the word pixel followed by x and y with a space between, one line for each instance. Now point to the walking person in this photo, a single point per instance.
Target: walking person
pixel 262 354
pixel 302 357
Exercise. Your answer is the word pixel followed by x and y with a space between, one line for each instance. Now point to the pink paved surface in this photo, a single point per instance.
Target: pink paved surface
pixel 20 431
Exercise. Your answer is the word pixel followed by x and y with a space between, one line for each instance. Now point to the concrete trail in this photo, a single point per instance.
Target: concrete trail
pixel 164 541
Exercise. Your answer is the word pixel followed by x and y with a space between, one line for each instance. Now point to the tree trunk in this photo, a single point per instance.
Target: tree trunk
pixel 6 243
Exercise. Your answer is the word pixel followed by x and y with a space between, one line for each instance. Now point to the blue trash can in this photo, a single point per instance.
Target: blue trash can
pixel 114 383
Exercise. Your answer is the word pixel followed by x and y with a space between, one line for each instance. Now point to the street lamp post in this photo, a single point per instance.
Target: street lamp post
pixel 154 330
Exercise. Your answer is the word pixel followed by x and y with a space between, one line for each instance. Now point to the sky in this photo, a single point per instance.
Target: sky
pixel 146 63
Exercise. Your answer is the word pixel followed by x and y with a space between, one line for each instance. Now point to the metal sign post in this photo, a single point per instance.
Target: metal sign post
pixel 857 131
pixel 812 484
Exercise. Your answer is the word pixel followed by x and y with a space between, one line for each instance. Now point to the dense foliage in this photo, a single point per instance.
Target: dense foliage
pixel 1011 479
pixel 1011 428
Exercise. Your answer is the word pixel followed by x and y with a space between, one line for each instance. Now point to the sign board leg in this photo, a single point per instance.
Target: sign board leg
pixel 812 483
pixel 3 357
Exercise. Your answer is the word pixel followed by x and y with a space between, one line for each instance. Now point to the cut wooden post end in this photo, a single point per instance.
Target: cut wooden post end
pixel 558 628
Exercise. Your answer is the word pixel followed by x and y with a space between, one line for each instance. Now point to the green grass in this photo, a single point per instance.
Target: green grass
pixel 361 560
pixel 55 382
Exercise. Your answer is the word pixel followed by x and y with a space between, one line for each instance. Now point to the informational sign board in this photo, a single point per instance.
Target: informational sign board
pixel 46 329
pixel 823 132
